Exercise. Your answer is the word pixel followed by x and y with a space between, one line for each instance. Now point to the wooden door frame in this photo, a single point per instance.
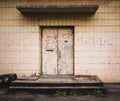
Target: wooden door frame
pixel 41 52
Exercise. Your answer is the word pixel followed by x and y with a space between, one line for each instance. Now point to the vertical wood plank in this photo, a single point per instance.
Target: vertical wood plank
pixel 65 51
pixel 49 51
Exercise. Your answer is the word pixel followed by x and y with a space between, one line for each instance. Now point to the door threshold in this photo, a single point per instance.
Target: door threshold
pixel 56 76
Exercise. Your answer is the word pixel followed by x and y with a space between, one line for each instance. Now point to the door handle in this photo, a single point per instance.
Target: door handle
pixel 50 50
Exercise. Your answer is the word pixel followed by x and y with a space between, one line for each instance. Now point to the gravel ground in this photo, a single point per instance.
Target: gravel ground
pixel 37 97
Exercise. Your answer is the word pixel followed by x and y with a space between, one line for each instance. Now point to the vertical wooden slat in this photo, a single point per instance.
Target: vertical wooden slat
pixel 49 51
pixel 65 51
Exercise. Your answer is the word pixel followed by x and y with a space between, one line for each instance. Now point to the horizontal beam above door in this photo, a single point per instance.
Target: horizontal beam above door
pixel 57 9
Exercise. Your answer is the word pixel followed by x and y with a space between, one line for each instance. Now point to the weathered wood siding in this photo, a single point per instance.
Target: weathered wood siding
pixel 96 40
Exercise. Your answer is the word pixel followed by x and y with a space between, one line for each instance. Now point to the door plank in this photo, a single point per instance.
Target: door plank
pixel 49 51
pixel 65 51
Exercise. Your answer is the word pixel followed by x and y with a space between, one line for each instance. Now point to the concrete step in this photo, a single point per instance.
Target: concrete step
pixel 58 83
pixel 37 84
pixel 54 88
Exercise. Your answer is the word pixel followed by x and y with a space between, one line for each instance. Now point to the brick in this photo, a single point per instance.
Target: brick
pixel 96 38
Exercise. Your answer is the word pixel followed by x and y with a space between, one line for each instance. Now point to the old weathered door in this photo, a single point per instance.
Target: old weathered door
pixel 57 51
pixel 49 51
pixel 65 51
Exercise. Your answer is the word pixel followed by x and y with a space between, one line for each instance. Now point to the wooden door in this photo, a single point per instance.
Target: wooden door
pixel 65 51
pixel 57 51
pixel 49 51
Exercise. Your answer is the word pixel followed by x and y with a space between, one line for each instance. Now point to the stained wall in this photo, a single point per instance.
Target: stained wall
pixel 96 39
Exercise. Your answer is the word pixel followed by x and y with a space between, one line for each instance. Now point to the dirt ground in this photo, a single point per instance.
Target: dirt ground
pixel 109 97
pixel 113 94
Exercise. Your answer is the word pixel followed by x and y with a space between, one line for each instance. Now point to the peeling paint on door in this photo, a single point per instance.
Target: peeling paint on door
pixel 49 51
pixel 65 51
pixel 57 51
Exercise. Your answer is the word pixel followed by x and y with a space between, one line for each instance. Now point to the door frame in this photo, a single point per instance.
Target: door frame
pixel 41 42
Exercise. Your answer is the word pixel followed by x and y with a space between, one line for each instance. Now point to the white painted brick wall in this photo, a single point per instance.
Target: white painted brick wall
pixel 96 40
pixel 19 50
